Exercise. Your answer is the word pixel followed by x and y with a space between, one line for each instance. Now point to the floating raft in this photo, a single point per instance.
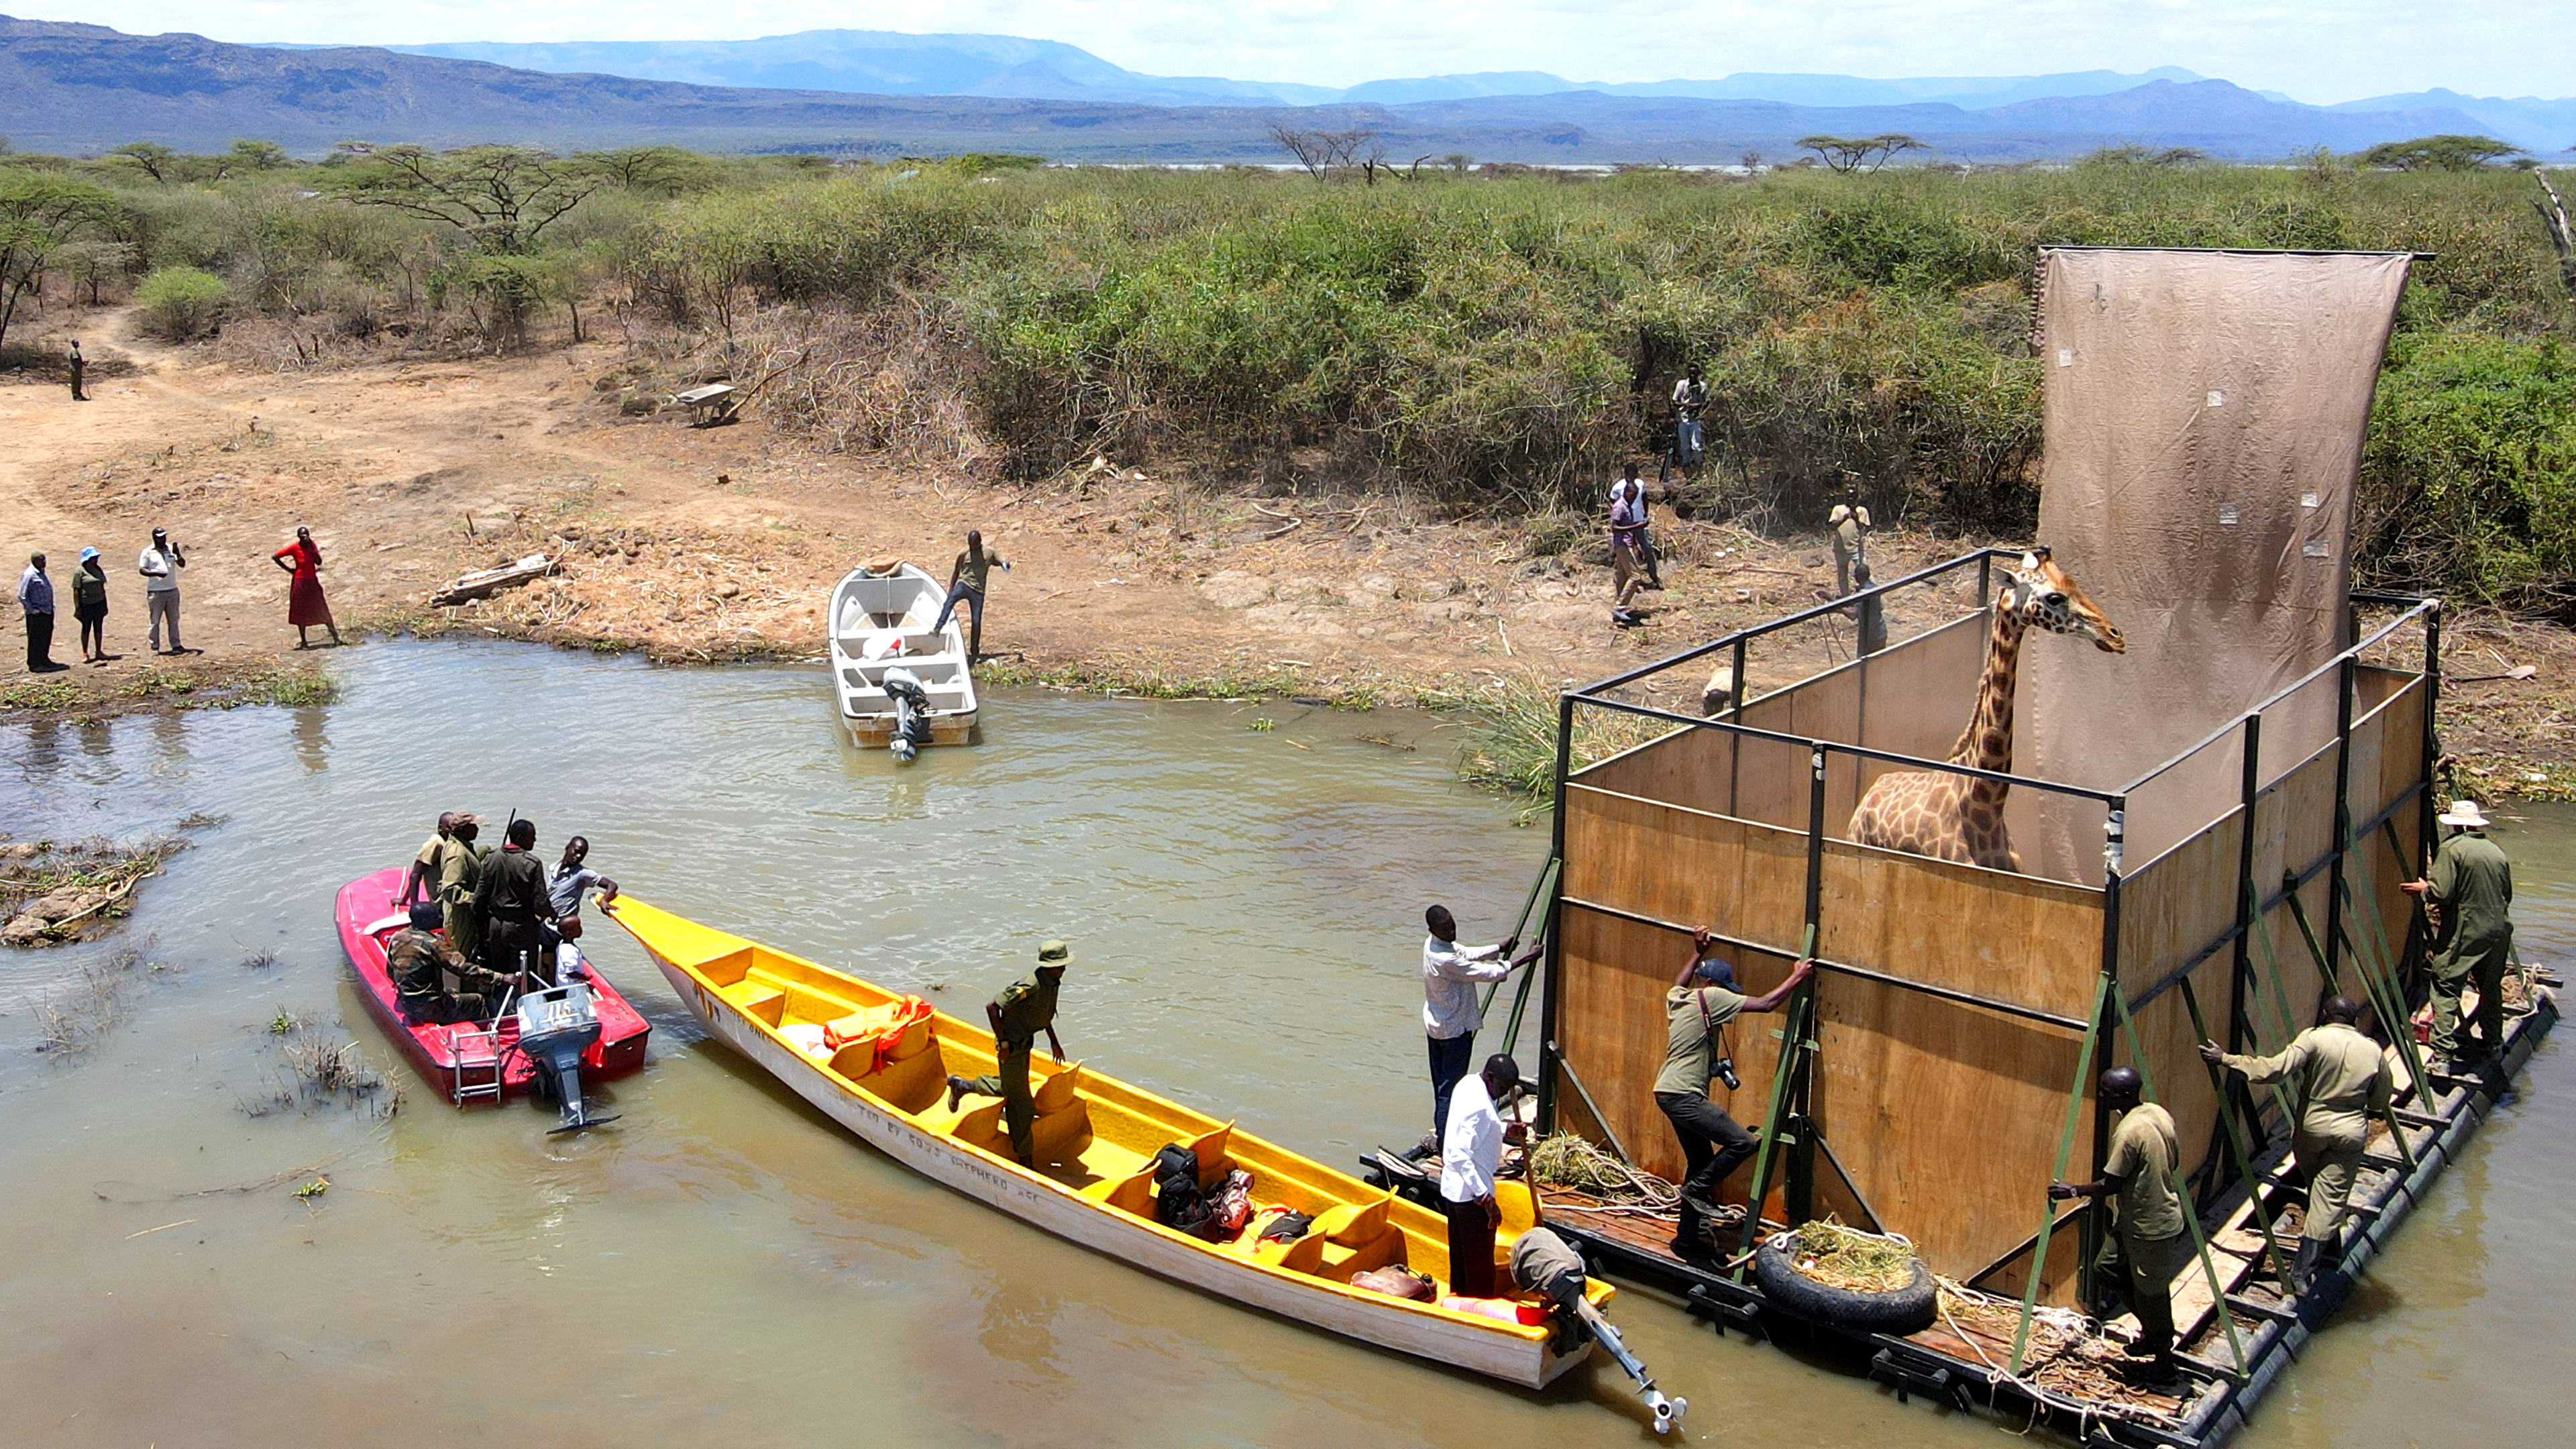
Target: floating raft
pixel 1964 1367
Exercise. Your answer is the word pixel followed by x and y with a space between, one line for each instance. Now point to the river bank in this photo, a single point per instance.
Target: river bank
pixel 694 545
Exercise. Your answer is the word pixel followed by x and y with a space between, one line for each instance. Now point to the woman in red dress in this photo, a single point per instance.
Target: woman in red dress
pixel 305 606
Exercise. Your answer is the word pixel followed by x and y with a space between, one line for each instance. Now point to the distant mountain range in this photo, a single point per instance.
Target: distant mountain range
pixel 82 88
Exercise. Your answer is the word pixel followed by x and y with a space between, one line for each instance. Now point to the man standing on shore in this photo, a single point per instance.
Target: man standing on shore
pixel 159 566
pixel 36 601
pixel 78 367
pixel 966 585
pixel 1690 399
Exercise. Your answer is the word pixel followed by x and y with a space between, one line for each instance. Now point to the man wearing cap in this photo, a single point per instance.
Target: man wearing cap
pixel 1702 1000
pixel 2469 895
pixel 422 969
pixel 36 601
pixel 458 869
pixel 1025 1008
pixel 2341 1081
pixel 2149 1243
pixel 159 566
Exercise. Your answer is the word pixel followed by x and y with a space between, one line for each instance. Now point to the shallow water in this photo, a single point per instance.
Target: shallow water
pixel 1244 907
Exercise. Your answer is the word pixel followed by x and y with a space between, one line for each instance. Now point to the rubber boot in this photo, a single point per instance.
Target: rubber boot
pixel 958 1087
pixel 2303 1268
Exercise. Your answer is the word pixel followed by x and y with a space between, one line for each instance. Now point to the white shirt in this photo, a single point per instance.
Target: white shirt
pixel 1449 976
pixel 1473 1151
pixel 157 564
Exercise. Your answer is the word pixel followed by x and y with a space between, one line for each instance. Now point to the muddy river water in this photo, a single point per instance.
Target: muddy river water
pixel 722 1264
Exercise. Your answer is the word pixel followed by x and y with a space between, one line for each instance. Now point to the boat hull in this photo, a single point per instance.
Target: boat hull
pixel 870 609
pixel 431 1048
pixel 1451 1339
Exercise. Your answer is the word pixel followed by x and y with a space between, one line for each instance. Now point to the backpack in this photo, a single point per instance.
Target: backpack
pixel 1178 1202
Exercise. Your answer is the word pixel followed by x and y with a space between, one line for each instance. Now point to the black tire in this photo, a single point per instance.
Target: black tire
pixel 1905 1310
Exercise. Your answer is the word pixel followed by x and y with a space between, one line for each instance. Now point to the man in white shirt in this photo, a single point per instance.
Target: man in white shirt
pixel 1471 1154
pixel 159 566
pixel 1451 1012
pixel 1690 398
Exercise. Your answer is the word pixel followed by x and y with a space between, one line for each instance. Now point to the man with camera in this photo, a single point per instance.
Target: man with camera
pixel 1703 999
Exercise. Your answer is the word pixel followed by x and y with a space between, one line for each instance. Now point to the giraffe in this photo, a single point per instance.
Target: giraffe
pixel 1959 817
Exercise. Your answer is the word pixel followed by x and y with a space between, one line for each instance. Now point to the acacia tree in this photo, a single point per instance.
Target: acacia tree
pixel 501 197
pixel 2438 153
pixel 41 212
pixel 1847 154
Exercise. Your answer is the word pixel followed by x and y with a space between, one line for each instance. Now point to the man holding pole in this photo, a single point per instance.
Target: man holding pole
pixel 2148 1244
pixel 2468 894
pixel 2340 1079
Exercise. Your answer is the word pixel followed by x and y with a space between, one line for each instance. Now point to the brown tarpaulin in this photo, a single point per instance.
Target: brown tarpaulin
pixel 2205 415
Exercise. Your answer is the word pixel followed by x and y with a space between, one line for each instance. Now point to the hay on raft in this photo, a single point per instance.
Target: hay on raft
pixel 1847 1258
pixel 1565 1160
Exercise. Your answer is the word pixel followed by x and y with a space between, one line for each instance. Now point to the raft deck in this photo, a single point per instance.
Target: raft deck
pixel 1962 1365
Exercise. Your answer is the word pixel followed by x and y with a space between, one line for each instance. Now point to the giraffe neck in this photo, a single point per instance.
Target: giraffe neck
pixel 1987 743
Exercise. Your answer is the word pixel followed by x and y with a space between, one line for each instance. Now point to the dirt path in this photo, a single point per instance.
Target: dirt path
pixel 724 542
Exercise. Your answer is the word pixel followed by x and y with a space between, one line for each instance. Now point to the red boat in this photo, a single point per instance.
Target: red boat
pixel 466 1060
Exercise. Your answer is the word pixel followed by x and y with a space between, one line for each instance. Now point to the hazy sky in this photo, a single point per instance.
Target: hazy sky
pixel 2315 50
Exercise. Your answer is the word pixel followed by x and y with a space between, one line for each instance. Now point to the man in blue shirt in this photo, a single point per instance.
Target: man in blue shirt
pixel 36 600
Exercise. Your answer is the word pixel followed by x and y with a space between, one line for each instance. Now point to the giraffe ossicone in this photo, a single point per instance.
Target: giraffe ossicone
pixel 1961 817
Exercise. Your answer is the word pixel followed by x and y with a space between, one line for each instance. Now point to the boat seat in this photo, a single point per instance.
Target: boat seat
pixel 1057 1136
pixel 757 999
pixel 1058 1090
pixel 1358 1238
pixel 1213 1163
pixel 1519 1207
pixel 1133 1193
pixel 1305 1255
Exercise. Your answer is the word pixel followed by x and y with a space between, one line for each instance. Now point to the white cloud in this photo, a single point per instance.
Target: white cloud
pixel 2318 52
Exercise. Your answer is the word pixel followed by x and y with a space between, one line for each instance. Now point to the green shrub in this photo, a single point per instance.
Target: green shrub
pixel 180 303
pixel 2469 481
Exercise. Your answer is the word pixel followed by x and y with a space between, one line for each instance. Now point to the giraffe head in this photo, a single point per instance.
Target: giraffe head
pixel 2047 598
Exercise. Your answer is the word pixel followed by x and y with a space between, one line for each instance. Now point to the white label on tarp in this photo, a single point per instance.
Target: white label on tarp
pixel 2217 398
pixel 2316 548
pixel 2066 357
pixel 2227 515
pixel 2308 499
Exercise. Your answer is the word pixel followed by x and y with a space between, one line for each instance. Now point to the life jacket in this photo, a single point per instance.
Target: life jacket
pixel 881 1027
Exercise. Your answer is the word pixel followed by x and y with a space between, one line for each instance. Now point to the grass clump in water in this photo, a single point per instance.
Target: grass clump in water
pixel 1511 740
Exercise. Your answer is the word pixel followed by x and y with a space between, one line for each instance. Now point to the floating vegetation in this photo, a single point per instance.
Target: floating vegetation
pixel 286 1023
pixel 259 960
pixel 1262 726
pixel 320 1072
pixel 83 1006
pixel 1848 1258
pixel 51 891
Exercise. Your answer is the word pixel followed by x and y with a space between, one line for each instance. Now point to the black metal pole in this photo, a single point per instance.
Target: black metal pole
pixel 1554 959
pixel 2342 811
pixel 2240 981
pixel 1799 1187
pixel 2114 845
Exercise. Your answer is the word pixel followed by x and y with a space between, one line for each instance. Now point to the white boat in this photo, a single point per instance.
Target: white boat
pixel 881 621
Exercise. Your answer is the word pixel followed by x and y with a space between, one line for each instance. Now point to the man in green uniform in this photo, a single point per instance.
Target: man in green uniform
pixel 1697 1007
pixel 430 983
pixel 511 897
pixel 1025 1008
pixel 458 868
pixel 2148 1244
pixel 2340 1078
pixel 2469 894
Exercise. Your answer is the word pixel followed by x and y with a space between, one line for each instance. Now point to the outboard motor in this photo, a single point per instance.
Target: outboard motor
pixel 1544 1264
pixel 556 1025
pixel 911 713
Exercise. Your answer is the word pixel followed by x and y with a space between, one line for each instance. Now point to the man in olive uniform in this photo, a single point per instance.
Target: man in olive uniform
pixel 1849 521
pixel 2148 1243
pixel 2341 1079
pixel 1697 1007
pixel 1025 1008
pixel 2469 894
pixel 423 969
pixel 79 369
pixel 458 869
pixel 511 897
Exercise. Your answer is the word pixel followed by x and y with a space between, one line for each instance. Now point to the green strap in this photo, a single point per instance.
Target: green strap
pixel 2325 963
pixel 2399 1028
pixel 1800 1005
pixel 1520 927
pixel 2190 1218
pixel 2065 1149
pixel 2238 1155
pixel 2291 1107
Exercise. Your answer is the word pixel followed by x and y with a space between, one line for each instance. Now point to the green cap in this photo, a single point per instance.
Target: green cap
pixel 1054 953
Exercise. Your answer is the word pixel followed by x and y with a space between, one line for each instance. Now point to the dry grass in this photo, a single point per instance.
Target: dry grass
pixel 320 1072
pixel 1853 1260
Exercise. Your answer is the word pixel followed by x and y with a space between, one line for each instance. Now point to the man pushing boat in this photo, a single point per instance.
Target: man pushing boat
pixel 1025 1008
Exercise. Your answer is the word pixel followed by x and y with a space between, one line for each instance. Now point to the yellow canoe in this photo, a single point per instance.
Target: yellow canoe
pixel 1095 1138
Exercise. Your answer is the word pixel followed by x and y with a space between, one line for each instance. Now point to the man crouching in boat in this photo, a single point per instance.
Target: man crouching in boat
pixel 420 965
pixel 1025 1008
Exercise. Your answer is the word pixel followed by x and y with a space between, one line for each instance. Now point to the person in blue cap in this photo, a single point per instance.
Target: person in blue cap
pixel 1697 1007
pixel 89 606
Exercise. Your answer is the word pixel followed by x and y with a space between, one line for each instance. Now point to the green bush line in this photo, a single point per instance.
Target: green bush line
pixel 1498 341
pixel 171 689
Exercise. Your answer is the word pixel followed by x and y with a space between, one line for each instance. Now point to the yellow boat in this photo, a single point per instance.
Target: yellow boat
pixel 1095 1138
